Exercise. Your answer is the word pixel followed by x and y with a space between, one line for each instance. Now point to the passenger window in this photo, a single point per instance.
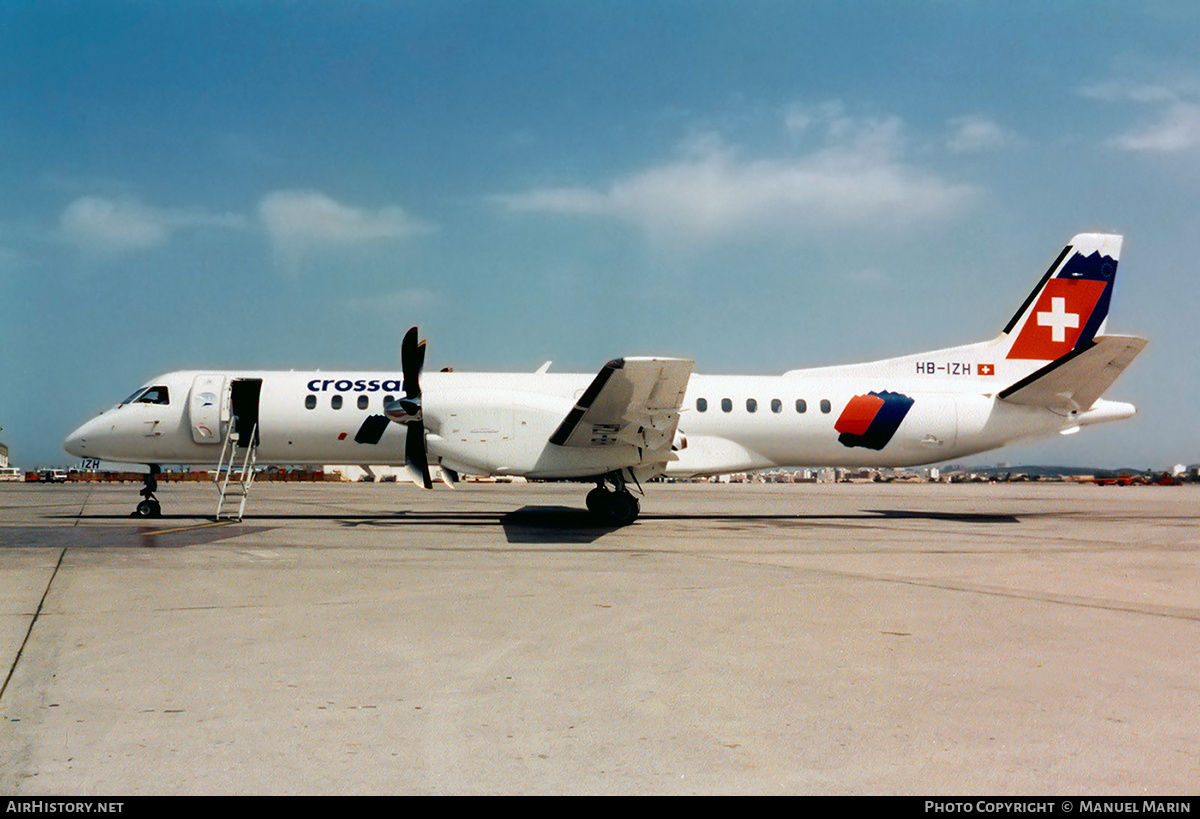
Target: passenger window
pixel 825 405
pixel 336 402
pixel 751 405
pixel 362 402
pixel 726 405
pixel 702 405
pixel 310 401
pixel 801 405
pixel 776 405
pixel 154 395
pixel 387 399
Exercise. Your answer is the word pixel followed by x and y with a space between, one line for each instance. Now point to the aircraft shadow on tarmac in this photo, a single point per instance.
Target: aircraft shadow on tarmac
pixel 564 524
pixel 529 524
pixel 559 524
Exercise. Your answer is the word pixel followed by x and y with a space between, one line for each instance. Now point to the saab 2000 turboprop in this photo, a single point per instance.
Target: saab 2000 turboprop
pixel 644 417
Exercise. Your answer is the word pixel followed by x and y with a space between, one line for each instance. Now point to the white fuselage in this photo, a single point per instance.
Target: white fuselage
pixel 501 423
pixel 640 417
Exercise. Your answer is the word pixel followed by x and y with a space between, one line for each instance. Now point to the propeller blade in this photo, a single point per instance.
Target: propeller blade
pixel 408 409
pixel 414 453
pixel 412 360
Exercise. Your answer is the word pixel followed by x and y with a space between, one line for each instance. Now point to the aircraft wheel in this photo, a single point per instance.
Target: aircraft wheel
pixel 148 509
pixel 597 501
pixel 623 509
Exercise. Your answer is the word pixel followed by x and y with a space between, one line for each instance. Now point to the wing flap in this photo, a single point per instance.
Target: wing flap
pixel 634 401
pixel 1073 382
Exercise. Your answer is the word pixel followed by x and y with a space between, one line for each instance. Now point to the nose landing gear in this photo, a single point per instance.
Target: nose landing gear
pixel 149 507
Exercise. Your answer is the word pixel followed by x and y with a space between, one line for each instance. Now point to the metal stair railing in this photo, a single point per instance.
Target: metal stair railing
pixel 241 488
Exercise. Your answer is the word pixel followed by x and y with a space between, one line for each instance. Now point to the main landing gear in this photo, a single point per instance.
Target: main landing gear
pixel 616 506
pixel 149 507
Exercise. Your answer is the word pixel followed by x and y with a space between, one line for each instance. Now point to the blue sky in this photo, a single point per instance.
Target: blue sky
pixel 759 186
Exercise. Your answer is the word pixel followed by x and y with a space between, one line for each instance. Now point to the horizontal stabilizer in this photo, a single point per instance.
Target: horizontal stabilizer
pixel 1074 382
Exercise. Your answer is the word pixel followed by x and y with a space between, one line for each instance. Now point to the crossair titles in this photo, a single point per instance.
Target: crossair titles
pixel 357 385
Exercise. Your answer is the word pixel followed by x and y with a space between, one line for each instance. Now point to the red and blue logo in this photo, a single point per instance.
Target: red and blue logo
pixel 871 420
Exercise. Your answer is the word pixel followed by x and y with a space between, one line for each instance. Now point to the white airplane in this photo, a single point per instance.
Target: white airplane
pixel 644 417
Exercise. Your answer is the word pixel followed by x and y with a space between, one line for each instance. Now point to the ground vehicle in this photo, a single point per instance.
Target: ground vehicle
pixel 1163 479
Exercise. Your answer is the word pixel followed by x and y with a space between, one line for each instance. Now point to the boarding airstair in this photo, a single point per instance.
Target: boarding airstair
pixel 233 481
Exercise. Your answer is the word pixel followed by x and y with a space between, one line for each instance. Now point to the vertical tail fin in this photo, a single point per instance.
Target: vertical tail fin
pixel 1069 306
pixel 1062 317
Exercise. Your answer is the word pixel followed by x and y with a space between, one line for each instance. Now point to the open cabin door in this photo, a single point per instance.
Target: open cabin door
pixel 208 409
pixel 243 402
pixel 217 401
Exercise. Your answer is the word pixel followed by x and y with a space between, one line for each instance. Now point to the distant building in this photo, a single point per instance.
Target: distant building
pixel 3 455
pixel 369 474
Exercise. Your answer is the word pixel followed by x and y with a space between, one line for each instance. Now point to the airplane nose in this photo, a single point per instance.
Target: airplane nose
pixel 76 442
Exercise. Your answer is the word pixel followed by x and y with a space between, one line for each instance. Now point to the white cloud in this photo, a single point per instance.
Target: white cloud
pixel 857 179
pixel 973 134
pixel 399 302
pixel 828 116
pixel 1119 91
pixel 558 200
pixel 296 223
pixel 1174 126
pixel 299 222
pixel 868 277
pixel 1177 129
pixel 105 227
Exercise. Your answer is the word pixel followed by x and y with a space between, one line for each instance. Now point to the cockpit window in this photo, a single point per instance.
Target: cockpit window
pixel 153 395
pixel 136 395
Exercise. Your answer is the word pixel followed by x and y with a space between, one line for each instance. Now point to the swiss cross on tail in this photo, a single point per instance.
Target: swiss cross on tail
pixel 1071 303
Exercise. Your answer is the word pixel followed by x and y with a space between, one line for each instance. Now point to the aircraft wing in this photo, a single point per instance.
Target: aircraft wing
pixel 633 401
pixel 1075 381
